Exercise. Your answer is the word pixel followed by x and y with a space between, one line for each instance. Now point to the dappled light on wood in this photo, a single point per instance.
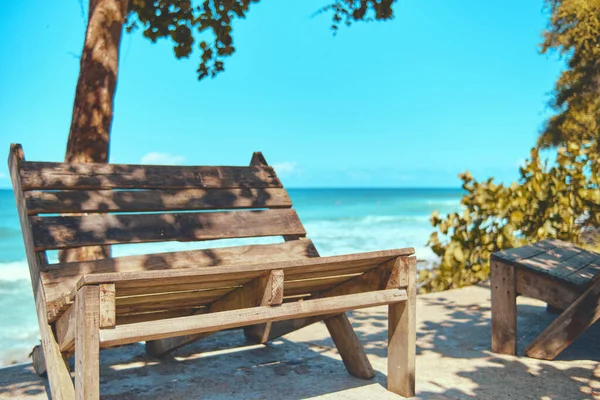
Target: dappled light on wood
pixel 171 299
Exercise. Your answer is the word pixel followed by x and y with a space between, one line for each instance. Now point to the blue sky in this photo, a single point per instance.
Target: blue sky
pixel 445 87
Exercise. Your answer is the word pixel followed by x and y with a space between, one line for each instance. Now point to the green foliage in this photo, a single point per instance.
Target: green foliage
pixel 210 23
pixel 574 31
pixel 559 200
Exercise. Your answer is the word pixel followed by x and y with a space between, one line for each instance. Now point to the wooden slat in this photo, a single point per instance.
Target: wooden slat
pixel 60 279
pixel 156 315
pixel 558 262
pixel 375 278
pixel 315 285
pixel 100 229
pixel 65 327
pixel 157 278
pixel 66 176
pixel 139 282
pixel 169 301
pixel 585 274
pixel 250 316
pixel 579 316
pixel 266 290
pixel 524 252
pixel 80 201
pixel 545 288
pixel 59 375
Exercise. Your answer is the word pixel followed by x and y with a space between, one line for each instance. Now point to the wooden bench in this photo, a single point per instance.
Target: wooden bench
pixel 170 299
pixel 564 276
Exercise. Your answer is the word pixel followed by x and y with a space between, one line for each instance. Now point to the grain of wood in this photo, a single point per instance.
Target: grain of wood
pixel 169 301
pixel 504 308
pixel 264 290
pixel 60 279
pixel 579 316
pixel 108 314
pixel 38 361
pixel 237 318
pixel 351 350
pixel 80 201
pixel 100 229
pixel 545 288
pixel 373 258
pixel 59 376
pixel 376 277
pixel 156 315
pixel 93 176
pixel 521 253
pixel 87 343
pixel 402 331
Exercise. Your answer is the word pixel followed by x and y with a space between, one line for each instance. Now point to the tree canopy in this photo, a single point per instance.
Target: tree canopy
pixel 574 32
pixel 207 25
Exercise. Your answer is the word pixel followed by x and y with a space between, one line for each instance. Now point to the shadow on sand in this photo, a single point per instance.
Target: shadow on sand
pixel 454 362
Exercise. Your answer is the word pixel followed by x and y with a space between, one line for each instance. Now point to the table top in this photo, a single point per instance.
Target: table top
pixel 561 260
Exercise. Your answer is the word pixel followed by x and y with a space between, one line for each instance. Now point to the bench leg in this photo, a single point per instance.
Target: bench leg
pixel 504 308
pixel 57 368
pixel 579 316
pixel 87 343
pixel 350 349
pixel 402 336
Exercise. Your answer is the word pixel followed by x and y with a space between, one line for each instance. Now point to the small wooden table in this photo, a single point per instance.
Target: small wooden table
pixel 559 273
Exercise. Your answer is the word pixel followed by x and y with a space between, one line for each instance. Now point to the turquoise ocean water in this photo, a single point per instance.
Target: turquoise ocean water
pixel 339 221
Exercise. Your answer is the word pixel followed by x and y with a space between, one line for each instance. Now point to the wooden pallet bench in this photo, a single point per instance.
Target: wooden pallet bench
pixel 564 276
pixel 171 299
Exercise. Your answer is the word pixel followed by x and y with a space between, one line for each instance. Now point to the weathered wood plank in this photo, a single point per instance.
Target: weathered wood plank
pixel 374 258
pixel 266 290
pixel 60 279
pixel 87 343
pixel 584 275
pixel 169 301
pixel 402 332
pixel 375 278
pixel 149 283
pixel 504 308
pixel 108 314
pixel 156 315
pixel 67 176
pixel 579 316
pixel 99 229
pixel 59 375
pixel 308 286
pixel 351 350
pixel 255 315
pixel 65 327
pixel 273 295
pixel 79 201
pixel 558 262
pixel 38 361
pixel 545 288
pixel 521 253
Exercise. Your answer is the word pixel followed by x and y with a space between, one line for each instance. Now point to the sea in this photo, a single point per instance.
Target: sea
pixel 339 221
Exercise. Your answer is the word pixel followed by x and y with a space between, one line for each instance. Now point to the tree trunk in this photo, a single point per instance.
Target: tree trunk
pixel 89 135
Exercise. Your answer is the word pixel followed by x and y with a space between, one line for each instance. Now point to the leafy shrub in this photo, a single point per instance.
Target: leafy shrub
pixel 551 200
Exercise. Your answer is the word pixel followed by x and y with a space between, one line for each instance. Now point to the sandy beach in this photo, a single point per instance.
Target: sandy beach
pixel 453 361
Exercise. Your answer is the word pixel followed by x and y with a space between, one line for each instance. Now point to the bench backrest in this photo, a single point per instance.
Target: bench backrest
pixel 66 205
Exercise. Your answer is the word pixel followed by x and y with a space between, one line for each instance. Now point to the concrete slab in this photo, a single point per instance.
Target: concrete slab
pixel 454 361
